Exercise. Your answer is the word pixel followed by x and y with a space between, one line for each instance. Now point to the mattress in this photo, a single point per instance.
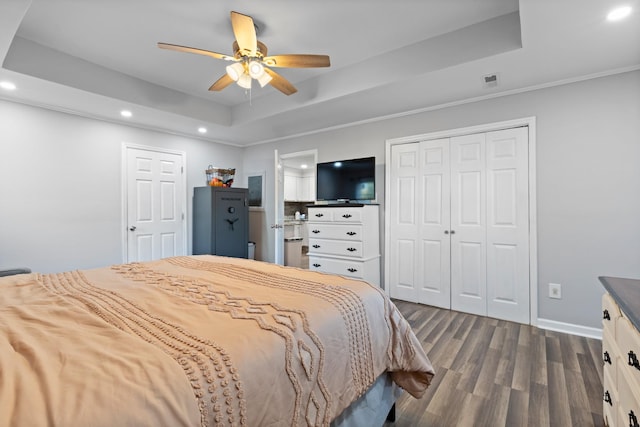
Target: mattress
pixel 200 340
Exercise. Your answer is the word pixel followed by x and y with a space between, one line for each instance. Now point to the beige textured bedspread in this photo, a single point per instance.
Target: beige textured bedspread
pixel 200 340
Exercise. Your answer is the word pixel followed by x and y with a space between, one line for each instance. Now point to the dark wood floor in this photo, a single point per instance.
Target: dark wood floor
pixel 495 373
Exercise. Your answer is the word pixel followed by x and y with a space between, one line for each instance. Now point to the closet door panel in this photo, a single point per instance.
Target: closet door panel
pixel 434 205
pixel 468 224
pixel 508 224
pixel 404 237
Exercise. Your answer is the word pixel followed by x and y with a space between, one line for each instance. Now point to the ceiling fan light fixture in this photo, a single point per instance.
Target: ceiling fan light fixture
pixel 256 69
pixel 245 81
pixel 235 71
pixel 264 79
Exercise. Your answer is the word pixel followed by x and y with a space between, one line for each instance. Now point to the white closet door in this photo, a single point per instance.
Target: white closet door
pixel 468 224
pixel 508 225
pixel 434 250
pixel 403 228
pixel 459 223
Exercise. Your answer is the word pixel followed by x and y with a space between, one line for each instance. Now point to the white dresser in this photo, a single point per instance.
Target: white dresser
pixel 621 352
pixel 345 240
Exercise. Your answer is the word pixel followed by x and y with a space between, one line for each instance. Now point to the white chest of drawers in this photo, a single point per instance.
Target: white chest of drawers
pixel 345 240
pixel 621 353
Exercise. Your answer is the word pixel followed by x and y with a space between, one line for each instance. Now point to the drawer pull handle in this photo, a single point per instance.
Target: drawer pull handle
pixel 347 216
pixel 633 360
pixel 607 398
pixel 351 249
pixel 316 265
pixel 315 231
pixel 352 270
pixel 607 358
pixel 319 215
pixel 605 315
pixel 316 246
pixel 633 420
pixel 351 233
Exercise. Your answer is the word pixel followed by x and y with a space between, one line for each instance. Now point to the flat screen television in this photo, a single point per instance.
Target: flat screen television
pixel 346 180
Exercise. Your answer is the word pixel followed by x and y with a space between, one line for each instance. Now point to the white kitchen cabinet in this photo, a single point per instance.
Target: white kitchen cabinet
pixel 299 188
pixel 290 187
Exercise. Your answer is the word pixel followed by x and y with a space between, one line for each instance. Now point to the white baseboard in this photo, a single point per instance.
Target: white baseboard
pixel 569 328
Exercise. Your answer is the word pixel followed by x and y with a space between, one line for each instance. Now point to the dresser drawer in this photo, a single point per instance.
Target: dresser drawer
pixel 610 402
pixel 321 214
pixel 628 403
pixel 337 266
pixel 336 231
pixel 336 247
pixel 347 215
pixel 610 358
pixel 628 340
pixel 610 314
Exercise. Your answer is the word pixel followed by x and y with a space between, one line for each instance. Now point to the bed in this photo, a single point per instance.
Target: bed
pixel 201 340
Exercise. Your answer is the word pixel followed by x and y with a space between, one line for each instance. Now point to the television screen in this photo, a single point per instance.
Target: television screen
pixel 346 180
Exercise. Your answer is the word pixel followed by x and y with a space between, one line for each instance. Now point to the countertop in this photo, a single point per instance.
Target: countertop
pixel 294 221
pixel 626 293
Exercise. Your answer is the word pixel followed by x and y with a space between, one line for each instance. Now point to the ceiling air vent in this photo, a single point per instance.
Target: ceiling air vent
pixel 490 80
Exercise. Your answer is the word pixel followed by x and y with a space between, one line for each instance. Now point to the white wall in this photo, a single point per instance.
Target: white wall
pixel 588 178
pixel 60 185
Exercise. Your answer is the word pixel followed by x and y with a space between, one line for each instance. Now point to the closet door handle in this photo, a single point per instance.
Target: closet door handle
pixel 446 231
pixel 453 231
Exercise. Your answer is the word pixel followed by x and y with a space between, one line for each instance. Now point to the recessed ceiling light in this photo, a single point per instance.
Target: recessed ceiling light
pixel 7 85
pixel 303 166
pixel 619 13
pixel 126 113
pixel 202 130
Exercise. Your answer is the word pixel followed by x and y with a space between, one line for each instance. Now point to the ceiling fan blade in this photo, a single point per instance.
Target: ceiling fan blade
pixel 245 32
pixel 196 51
pixel 280 83
pixel 221 83
pixel 297 61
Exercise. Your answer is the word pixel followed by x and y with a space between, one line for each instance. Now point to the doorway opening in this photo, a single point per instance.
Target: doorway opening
pixel 297 185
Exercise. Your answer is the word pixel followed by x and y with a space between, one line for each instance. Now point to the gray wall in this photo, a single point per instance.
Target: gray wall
pixel 588 178
pixel 60 185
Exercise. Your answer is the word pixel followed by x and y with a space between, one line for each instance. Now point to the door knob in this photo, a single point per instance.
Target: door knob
pixel 446 231
pixel 132 228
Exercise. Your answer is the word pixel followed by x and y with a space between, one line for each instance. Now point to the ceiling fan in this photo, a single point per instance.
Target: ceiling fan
pixel 250 60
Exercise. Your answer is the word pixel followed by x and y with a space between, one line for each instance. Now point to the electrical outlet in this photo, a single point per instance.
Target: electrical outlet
pixel 555 291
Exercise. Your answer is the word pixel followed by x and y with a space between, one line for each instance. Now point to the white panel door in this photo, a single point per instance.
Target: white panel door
pixel 508 225
pixel 468 224
pixel 404 241
pixel 434 247
pixel 419 217
pixel 155 204
pixel 278 215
